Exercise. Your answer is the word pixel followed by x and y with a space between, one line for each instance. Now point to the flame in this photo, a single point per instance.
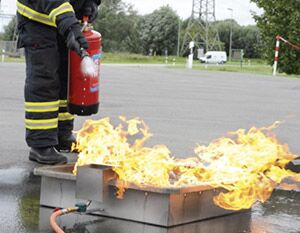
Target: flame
pixel 247 165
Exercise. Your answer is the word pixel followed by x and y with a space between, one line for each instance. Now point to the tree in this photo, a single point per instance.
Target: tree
pixel 9 30
pixel 118 23
pixel 247 38
pixel 224 28
pixel 251 41
pixel 280 17
pixel 159 31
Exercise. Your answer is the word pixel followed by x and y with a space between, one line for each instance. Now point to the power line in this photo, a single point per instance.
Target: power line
pixel 201 28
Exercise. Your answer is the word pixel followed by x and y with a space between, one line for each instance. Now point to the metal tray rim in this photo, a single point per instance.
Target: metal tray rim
pixel 58 171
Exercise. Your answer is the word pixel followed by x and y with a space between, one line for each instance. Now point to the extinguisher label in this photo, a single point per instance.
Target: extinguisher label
pixel 94 89
pixel 94 81
pixel 96 58
pixel 94 84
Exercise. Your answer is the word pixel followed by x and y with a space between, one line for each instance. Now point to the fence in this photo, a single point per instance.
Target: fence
pixel 237 54
pixel 9 48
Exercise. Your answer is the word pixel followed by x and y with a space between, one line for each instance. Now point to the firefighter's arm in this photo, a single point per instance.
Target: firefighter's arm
pixel 70 29
pixel 59 14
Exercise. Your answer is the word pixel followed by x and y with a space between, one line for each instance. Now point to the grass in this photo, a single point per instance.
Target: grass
pixel 254 69
pixel 12 59
pixel 258 69
pixel 256 66
pixel 128 58
pixel 124 58
pixel 250 66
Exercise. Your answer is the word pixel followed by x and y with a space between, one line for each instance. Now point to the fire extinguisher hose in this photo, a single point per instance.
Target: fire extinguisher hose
pixel 85 20
pixel 58 213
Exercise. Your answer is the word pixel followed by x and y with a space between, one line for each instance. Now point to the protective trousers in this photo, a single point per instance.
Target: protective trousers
pixel 46 116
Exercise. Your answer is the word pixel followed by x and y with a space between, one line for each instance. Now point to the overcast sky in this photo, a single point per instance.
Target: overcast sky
pixel 241 8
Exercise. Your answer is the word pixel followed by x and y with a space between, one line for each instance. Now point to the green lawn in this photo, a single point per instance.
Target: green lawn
pixel 259 69
pixel 257 66
pixel 124 58
pixel 128 58
pixel 12 59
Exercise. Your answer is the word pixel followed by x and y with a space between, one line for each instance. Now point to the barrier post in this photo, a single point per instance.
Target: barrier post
pixel 276 55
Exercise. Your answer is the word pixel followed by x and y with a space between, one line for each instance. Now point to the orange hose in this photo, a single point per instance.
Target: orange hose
pixel 56 214
pixel 53 223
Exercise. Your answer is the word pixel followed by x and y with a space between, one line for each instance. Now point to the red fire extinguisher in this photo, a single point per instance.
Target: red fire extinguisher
pixel 83 89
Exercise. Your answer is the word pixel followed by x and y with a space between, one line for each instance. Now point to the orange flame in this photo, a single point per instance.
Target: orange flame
pixel 247 164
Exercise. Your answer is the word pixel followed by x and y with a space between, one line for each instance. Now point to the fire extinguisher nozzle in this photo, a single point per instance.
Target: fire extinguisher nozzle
pixel 84 53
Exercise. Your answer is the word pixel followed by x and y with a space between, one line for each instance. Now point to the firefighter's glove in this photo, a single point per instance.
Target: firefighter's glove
pixel 75 40
pixel 90 9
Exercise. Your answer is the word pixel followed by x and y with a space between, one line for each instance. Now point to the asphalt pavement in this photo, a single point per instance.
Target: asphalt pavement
pixel 183 108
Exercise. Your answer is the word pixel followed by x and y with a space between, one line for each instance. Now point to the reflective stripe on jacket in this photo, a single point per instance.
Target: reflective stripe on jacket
pixel 43 11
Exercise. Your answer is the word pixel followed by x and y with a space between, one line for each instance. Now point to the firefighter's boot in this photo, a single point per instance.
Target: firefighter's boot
pixel 65 143
pixel 47 155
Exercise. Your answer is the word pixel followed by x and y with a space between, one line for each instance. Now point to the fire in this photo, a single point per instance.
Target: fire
pixel 248 165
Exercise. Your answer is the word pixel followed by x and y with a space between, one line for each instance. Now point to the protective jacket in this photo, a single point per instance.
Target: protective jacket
pixel 54 13
pixel 42 26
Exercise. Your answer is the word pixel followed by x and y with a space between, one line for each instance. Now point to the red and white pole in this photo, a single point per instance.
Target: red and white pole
pixel 278 38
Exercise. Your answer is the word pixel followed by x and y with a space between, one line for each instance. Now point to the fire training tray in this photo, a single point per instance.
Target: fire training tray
pixel 165 207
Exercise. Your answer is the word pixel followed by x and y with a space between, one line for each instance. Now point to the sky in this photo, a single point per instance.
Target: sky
pixel 7 7
pixel 241 9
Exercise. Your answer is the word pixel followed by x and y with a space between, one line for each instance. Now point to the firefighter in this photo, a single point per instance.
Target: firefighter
pixel 47 29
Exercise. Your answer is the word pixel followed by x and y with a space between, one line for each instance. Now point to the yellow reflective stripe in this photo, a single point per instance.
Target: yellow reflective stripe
pixel 41 106
pixel 41 127
pixel 44 18
pixel 41 121
pixel 34 15
pixel 63 8
pixel 41 124
pixel 63 103
pixel 30 104
pixel 41 110
pixel 65 116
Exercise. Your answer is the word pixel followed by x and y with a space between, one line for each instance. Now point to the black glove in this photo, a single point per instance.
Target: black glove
pixel 90 9
pixel 75 40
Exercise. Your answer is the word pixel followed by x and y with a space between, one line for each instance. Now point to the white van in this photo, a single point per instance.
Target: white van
pixel 218 57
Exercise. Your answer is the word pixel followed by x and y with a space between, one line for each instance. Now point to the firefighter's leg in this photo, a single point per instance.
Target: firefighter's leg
pixel 65 119
pixel 42 93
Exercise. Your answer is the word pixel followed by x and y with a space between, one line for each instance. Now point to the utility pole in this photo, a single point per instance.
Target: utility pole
pixel 230 37
pixel 200 27
pixel 178 37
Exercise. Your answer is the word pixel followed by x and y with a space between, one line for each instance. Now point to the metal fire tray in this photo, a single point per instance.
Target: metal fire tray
pixel 158 206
